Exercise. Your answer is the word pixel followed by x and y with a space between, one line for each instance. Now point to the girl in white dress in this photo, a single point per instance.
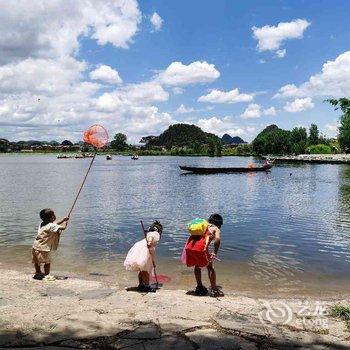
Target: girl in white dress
pixel 141 256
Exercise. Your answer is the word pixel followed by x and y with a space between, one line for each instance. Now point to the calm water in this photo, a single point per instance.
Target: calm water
pixel 288 229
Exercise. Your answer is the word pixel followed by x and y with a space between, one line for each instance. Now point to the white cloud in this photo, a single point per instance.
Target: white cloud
pixel 134 94
pixel 40 75
pixel 252 111
pixel 178 91
pixel 106 74
pixel 156 21
pixel 281 53
pixel 332 81
pixel 178 74
pixel 271 38
pixel 299 105
pixel 52 28
pixel 220 126
pixel 218 96
pixel 270 111
pixel 332 127
pixel 182 109
pixel 44 93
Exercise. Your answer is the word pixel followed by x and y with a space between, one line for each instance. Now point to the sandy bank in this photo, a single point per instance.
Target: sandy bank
pixel 77 313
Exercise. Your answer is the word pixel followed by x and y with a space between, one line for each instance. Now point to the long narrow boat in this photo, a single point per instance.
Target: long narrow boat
pixel 200 170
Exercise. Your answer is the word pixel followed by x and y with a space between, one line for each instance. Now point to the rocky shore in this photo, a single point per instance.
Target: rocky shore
pixel 85 314
pixel 314 158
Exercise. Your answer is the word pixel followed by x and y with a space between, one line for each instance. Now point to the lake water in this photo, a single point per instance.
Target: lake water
pixel 285 231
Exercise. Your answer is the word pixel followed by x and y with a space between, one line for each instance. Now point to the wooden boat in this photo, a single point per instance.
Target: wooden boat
pixel 200 170
pixel 63 156
pixel 108 157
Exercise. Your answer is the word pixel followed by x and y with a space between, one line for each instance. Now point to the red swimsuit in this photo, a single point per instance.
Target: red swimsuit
pixel 195 253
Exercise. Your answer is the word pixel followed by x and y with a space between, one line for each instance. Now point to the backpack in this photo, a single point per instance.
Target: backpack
pixel 197 227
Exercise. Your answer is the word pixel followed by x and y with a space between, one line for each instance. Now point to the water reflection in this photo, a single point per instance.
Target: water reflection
pixel 283 225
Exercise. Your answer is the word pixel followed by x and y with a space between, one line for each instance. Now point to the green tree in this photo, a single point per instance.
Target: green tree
pixel 272 140
pixel 4 145
pixel 344 128
pixel 67 143
pixel 298 140
pixel 197 147
pixel 149 141
pixel 313 135
pixel 319 149
pixel 119 142
pixel 211 147
pixel 244 150
pixel 218 148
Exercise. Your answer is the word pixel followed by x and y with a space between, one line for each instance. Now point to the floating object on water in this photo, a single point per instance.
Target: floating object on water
pixel 135 157
pixel 202 170
pixel 108 157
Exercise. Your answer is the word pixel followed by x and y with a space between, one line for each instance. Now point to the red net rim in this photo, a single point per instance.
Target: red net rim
pixel 96 135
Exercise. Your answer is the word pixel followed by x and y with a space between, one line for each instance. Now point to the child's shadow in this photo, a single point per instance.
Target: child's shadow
pixel 196 294
pixel 133 289
pixel 153 286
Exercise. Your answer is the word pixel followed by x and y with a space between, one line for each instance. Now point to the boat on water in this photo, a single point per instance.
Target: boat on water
pixel 63 156
pixel 202 170
pixel 135 157
pixel 108 157
pixel 76 156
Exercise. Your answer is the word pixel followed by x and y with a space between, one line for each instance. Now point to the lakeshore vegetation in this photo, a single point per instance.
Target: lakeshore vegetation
pixel 185 139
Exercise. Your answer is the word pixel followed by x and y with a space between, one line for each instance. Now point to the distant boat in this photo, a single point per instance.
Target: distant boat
pixel 201 170
pixel 76 156
pixel 108 157
pixel 62 156
pixel 135 157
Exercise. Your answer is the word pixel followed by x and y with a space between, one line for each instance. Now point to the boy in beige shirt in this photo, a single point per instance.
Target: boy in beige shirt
pixel 46 240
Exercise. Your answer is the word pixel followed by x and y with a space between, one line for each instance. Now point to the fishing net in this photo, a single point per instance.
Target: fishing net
pixel 96 136
pixel 161 278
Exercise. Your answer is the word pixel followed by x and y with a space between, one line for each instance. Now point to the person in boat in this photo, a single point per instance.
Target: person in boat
pixel 196 253
pixel 141 257
pixel 47 239
pixel 267 162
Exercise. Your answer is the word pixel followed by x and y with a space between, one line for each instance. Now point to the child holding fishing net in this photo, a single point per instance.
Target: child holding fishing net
pixel 49 231
pixel 141 256
pixel 196 252
pixel 47 240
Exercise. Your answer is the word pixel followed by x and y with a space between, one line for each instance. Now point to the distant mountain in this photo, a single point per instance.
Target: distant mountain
pixel 181 135
pixel 228 140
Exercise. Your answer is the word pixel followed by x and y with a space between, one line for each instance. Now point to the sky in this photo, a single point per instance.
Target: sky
pixel 137 67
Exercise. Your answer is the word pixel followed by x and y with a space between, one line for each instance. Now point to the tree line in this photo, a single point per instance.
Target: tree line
pixel 184 139
pixel 273 140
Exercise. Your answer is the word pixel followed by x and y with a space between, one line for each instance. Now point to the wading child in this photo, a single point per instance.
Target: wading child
pixel 46 240
pixel 196 253
pixel 141 256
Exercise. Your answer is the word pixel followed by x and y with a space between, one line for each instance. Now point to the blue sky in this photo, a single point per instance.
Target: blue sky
pixel 72 64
